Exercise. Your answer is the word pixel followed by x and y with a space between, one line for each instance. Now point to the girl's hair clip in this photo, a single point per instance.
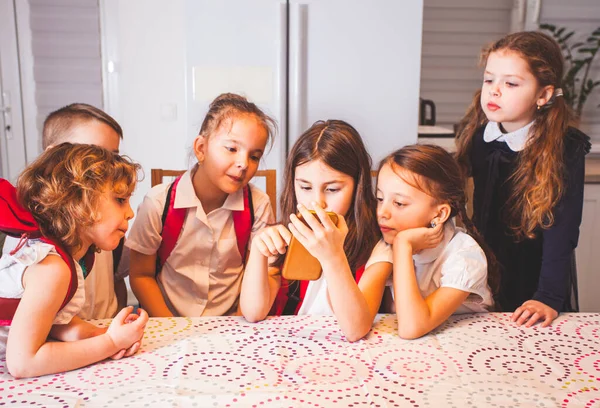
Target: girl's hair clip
pixel 558 92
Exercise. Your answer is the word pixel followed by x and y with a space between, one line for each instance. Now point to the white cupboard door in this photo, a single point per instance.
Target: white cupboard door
pixel 588 251
pixel 358 61
pixel 238 46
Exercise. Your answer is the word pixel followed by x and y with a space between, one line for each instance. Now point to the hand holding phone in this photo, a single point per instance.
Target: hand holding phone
pixel 299 264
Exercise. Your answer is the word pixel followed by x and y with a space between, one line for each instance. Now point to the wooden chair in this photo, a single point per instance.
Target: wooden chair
pixel 270 176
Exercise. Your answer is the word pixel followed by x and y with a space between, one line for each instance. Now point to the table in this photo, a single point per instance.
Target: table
pixel 301 361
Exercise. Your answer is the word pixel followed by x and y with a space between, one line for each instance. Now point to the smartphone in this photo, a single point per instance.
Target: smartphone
pixel 299 264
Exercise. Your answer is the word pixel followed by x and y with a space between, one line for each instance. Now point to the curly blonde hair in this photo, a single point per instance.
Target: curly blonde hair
pixel 63 186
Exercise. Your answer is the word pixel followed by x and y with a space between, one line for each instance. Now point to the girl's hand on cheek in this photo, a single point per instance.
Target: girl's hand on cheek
pixel 420 238
pixel 322 238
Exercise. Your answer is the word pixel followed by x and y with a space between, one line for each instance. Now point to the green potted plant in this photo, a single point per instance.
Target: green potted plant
pixel 579 57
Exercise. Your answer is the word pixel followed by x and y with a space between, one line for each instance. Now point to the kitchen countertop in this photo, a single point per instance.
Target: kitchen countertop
pixel 592 161
pixel 592 169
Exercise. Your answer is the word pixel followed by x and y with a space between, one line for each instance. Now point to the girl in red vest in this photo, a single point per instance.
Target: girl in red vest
pixel 79 197
pixel 187 246
pixel 328 169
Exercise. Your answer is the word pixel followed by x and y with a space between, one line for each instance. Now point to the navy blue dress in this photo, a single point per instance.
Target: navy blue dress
pixel 539 268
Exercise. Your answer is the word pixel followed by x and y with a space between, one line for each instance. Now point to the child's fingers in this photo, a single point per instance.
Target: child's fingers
pixel 143 319
pixel 313 223
pixel 275 243
pixel 122 315
pixel 118 355
pixel 342 225
pixel 524 316
pixel 323 217
pixel 533 319
pixel 301 238
pixel 131 318
pixel 300 229
pixel 516 314
pixel 279 245
pixel 262 247
pixel 438 231
pixel 133 349
pixel 547 321
pixel 285 234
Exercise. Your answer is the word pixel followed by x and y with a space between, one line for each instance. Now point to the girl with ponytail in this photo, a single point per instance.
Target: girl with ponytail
pixel 439 269
pixel 528 170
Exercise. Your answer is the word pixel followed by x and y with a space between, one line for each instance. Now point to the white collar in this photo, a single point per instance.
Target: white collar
pixel 186 195
pixel 429 255
pixel 516 140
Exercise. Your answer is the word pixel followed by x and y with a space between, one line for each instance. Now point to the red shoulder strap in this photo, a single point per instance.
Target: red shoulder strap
pixel 172 224
pixel 242 223
pixel 359 273
pixel 283 296
pixel 17 221
pixel 174 218
pixel 8 307
pixel 71 264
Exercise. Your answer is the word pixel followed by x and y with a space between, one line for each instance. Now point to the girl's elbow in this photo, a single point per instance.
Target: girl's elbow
pixel 19 368
pixel 410 333
pixel 357 333
pixel 253 316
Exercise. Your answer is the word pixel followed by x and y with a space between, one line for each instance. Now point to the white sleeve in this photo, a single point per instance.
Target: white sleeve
pixel 381 253
pixel 466 269
pixel 147 226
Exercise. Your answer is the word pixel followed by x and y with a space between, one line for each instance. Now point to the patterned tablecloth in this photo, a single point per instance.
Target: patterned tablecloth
pixel 470 361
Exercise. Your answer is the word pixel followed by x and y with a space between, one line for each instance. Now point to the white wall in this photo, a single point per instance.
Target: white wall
pixel 155 46
pixel 65 45
pixel 150 75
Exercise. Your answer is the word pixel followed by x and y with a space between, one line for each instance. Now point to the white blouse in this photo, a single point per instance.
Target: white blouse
pixel 203 274
pixel 315 299
pixel 516 140
pixel 457 262
pixel 12 268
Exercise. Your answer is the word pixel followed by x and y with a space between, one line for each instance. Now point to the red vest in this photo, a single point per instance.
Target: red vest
pixel 173 219
pixel 288 302
pixel 17 222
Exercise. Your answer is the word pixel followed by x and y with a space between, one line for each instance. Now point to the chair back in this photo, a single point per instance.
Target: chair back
pixel 270 175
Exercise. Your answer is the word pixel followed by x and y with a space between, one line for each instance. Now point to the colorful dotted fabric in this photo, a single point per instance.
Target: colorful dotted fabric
pixel 470 361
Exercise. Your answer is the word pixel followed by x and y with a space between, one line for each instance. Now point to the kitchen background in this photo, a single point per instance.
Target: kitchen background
pixel 156 64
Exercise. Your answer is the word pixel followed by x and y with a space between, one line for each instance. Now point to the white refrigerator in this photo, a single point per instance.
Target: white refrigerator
pixel 300 60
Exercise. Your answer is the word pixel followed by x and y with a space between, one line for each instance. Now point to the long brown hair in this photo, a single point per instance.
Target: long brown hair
pixel 538 180
pixel 338 145
pixel 440 177
pixel 62 187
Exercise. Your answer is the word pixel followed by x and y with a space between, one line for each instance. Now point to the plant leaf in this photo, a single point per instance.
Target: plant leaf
pixel 568 35
pixel 549 27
